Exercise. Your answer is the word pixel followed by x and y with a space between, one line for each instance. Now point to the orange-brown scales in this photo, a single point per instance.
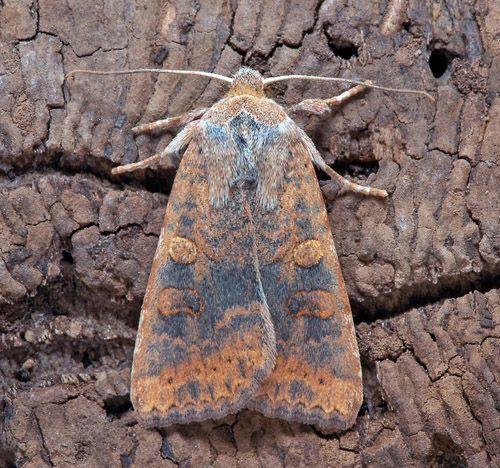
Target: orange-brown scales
pixel 246 305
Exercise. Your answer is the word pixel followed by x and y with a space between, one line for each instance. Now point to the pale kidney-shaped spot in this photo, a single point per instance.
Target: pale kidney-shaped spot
pixel 307 253
pixel 182 250
pixel 172 301
pixel 318 303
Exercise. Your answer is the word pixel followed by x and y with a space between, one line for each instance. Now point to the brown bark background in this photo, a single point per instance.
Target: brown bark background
pixel 421 268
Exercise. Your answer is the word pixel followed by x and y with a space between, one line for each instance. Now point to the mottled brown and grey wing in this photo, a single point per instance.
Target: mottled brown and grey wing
pixel 205 341
pixel 317 376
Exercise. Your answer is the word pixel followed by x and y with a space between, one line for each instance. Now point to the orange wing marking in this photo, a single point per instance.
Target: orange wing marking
pixel 316 302
pixel 182 250
pixel 172 301
pixel 308 253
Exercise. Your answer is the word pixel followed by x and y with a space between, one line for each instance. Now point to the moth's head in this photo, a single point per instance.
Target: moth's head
pixel 247 81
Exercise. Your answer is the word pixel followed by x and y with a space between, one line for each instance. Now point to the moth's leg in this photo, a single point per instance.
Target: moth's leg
pixel 172 122
pixel 175 146
pixel 353 187
pixel 140 164
pixel 322 106
pixel 321 164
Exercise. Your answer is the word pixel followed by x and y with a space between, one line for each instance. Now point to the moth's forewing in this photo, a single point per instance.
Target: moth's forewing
pixel 317 376
pixel 205 341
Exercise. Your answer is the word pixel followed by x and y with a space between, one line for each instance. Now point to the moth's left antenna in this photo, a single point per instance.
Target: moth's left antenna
pixel 214 76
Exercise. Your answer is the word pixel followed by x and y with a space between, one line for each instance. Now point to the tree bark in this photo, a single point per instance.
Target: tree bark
pixel 422 268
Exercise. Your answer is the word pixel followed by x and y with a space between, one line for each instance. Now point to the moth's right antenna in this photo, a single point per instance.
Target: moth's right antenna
pixel 367 84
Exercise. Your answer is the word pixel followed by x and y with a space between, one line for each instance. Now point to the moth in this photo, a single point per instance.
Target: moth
pixel 246 305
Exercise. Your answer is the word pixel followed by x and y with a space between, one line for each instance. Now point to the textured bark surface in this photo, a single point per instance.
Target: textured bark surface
pixel 422 268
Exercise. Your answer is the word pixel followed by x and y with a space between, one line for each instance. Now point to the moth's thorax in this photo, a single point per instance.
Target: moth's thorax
pixel 246 126
pixel 246 138
pixel 264 111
